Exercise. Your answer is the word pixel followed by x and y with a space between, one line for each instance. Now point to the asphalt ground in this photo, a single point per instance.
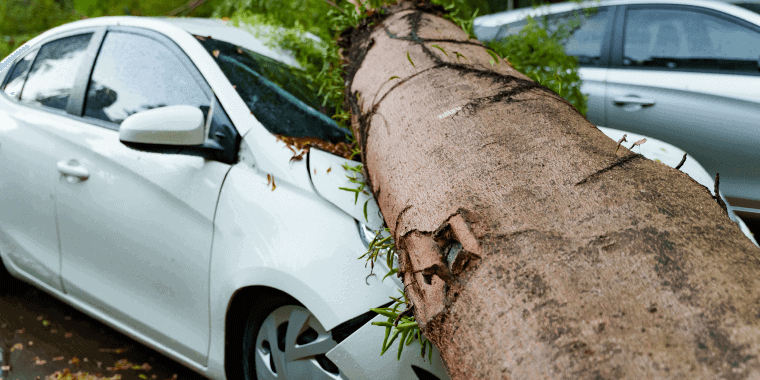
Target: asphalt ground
pixel 43 338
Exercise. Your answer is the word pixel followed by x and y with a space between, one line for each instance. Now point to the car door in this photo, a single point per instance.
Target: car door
pixel 29 150
pixel 689 76
pixel 136 227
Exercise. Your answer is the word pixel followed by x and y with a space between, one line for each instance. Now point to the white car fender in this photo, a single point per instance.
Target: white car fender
pixel 293 240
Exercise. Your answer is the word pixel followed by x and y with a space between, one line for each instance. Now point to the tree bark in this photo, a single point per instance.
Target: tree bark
pixel 530 247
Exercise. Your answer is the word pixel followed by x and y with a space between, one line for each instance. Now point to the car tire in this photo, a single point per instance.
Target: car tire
pixel 283 340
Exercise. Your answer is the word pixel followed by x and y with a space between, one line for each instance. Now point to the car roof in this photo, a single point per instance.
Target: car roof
pixel 215 28
pixel 726 6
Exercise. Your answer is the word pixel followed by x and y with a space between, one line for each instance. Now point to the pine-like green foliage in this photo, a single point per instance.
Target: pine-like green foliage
pixel 540 55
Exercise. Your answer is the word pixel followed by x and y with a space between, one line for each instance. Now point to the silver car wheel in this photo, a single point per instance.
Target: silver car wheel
pixel 291 344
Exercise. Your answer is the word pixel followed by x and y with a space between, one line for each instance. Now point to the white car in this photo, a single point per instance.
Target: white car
pixel 142 183
pixel 144 188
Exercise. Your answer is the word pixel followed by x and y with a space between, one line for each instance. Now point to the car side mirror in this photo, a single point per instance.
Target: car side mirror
pixel 172 125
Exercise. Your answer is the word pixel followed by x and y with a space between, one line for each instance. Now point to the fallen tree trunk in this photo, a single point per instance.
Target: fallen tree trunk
pixel 531 247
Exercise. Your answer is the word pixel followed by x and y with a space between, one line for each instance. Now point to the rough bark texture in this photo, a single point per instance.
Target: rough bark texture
pixel 530 248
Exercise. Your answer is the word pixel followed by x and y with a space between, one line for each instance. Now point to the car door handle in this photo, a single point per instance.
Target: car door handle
pixel 72 168
pixel 633 100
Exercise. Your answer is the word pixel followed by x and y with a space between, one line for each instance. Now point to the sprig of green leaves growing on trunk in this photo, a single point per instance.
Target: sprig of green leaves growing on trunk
pixel 405 326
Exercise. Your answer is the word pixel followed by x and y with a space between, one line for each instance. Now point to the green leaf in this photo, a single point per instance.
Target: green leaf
pixel 365 211
pixel 394 335
pixel 385 324
pixel 441 49
pixel 374 240
pixel 401 344
pixel 495 56
pixel 387 333
pixel 389 259
pixel 410 59
pixel 384 240
pixel 406 325
pixel 392 78
pixel 386 313
pixel 390 273
pixel 410 339
pixel 460 55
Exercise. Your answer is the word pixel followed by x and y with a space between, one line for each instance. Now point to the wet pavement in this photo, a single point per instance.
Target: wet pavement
pixel 43 338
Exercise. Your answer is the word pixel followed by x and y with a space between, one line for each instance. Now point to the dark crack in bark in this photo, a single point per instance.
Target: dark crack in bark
pixel 619 162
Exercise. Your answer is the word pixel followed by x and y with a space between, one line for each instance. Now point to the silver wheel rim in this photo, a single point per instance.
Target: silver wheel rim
pixel 291 344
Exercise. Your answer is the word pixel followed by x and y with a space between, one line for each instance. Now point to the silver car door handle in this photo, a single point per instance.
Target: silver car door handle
pixel 72 168
pixel 633 100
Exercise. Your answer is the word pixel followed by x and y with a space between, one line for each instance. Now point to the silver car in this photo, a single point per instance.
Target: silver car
pixel 683 71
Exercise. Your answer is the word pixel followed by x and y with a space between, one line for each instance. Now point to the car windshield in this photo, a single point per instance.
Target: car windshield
pixel 277 94
pixel 754 7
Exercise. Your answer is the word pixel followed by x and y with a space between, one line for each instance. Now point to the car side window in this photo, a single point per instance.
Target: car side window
pixel 687 39
pixel 53 73
pixel 17 76
pixel 505 30
pixel 135 73
pixel 583 31
pixel 586 31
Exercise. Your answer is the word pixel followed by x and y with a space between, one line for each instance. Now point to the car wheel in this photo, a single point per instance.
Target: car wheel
pixel 283 340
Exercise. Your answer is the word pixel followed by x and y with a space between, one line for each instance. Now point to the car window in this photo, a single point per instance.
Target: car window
pixel 277 94
pixel 582 30
pixel 585 33
pixel 135 73
pixel 506 30
pixel 684 39
pixel 53 73
pixel 16 78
